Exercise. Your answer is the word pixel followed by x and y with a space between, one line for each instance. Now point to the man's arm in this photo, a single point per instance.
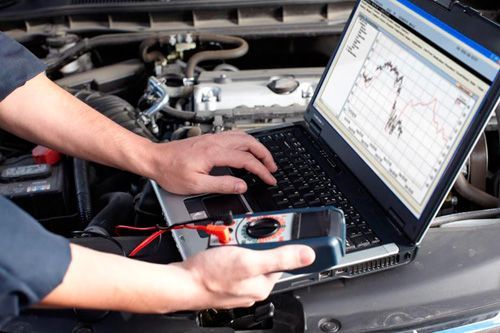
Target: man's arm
pixel 226 277
pixel 36 265
pixel 42 112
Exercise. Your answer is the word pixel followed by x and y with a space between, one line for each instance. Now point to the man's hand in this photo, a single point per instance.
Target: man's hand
pixel 224 277
pixel 183 166
pixel 230 277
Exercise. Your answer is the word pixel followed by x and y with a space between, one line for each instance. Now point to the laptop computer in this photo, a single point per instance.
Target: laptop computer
pixel 400 105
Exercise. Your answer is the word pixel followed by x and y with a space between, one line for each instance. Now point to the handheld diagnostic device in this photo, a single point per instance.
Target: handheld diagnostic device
pixel 323 229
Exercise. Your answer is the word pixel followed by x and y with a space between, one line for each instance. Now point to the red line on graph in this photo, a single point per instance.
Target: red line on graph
pixel 440 130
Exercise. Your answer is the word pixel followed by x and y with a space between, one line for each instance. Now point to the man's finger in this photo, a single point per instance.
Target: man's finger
pixel 243 160
pixel 281 259
pixel 220 184
pixel 242 141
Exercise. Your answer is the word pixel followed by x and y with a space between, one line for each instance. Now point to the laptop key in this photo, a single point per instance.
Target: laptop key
pixel 300 203
pixel 284 182
pixel 354 232
pixel 319 187
pixel 279 174
pixel 309 196
pixel 360 242
pixel 278 196
pixel 283 203
pixel 363 243
pixel 373 239
pixel 355 215
pixel 302 167
pixel 308 173
pixel 328 201
pixel 298 181
pixel 273 189
pixel 315 202
pixel 349 245
pixel 278 154
pixel 365 229
pixel 304 188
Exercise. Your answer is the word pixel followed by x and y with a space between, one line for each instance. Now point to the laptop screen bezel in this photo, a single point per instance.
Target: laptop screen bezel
pixel 414 227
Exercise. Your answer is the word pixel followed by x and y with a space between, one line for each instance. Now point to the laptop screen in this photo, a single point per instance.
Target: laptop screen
pixel 401 91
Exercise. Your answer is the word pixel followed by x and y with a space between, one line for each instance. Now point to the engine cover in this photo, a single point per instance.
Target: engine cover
pixel 223 90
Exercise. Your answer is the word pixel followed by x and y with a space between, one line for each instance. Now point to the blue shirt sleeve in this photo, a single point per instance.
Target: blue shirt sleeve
pixel 17 65
pixel 33 261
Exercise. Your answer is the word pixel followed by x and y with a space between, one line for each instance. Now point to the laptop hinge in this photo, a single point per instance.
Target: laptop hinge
pixel 445 3
pixel 396 220
pixel 315 128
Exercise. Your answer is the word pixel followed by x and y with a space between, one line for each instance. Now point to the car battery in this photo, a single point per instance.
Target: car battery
pixel 37 188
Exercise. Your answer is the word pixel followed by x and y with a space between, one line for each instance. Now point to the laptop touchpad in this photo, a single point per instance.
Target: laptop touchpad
pixel 212 205
pixel 222 204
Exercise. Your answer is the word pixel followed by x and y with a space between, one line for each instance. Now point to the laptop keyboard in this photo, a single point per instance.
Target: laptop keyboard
pixel 303 183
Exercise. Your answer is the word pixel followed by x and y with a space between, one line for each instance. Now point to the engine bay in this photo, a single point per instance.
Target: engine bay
pixel 162 97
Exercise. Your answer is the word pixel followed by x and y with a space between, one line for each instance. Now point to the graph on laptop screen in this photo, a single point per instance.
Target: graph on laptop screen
pixel 399 100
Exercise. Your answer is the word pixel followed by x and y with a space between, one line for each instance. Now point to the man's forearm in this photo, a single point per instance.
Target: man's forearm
pixel 97 280
pixel 42 112
pixel 225 277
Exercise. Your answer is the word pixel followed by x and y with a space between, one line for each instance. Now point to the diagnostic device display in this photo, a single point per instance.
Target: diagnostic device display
pixel 323 229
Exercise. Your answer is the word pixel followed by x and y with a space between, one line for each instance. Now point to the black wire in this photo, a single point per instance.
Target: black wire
pixel 227 219
pixel 17 160
pixel 141 211
pixel 49 219
pixel 10 149
pixel 82 234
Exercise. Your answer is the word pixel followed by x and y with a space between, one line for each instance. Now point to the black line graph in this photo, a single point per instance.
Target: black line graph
pixel 393 123
pixel 405 114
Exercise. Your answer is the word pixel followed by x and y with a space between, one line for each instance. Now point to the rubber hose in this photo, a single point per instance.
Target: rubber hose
pixel 186 115
pixel 478 214
pixel 82 188
pixel 473 194
pixel 239 51
pixel 116 109
pixel 150 56
pixel 118 209
pixel 88 44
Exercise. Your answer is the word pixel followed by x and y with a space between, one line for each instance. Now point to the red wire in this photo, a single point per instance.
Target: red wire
pixel 152 237
pixel 146 242
pixel 224 234
pixel 127 227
